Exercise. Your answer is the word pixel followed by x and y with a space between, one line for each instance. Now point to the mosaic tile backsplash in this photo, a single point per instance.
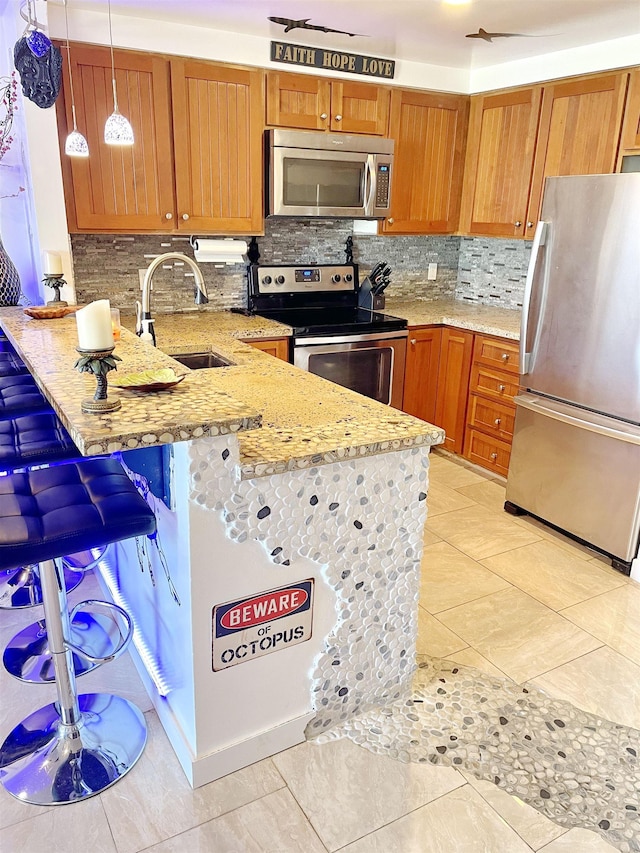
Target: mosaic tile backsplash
pixel 483 270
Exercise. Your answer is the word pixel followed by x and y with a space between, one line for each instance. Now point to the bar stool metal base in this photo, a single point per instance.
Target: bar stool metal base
pixel 47 763
pixel 27 655
pixel 21 587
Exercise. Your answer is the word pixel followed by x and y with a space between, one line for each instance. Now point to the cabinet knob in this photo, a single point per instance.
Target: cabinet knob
pixel 502 388
pixel 185 216
pixel 494 456
pixel 413 342
pixel 517 223
pixel 391 220
pixel 323 116
pixel 505 356
pixel 168 216
pixel 529 224
pixel 338 118
pixel 498 421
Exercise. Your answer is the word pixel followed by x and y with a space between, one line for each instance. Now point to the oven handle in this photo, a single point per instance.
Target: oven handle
pixel 347 339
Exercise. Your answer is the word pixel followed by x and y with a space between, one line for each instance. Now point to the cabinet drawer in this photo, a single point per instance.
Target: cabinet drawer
pixel 492 417
pixel 495 384
pixel 488 452
pixel 497 352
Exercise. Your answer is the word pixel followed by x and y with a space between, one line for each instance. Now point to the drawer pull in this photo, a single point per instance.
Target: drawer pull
pixel 413 342
pixel 502 388
pixel 498 421
pixel 505 356
pixel 494 456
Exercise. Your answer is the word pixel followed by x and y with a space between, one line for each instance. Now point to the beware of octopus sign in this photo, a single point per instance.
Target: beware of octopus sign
pixel 249 628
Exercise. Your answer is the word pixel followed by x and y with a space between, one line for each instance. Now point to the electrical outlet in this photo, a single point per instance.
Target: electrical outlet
pixel 432 272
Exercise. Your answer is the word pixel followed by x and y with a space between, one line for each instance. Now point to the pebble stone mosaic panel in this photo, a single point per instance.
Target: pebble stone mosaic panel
pixel 363 521
pixel 577 769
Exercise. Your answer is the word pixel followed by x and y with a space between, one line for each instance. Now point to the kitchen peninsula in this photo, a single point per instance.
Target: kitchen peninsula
pixel 282 495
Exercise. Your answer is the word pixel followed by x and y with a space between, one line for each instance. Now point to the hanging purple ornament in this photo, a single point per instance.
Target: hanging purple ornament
pixel 38 43
pixel 41 77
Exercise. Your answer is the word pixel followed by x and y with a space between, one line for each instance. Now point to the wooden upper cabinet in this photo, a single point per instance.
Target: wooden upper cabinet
pixel 430 131
pixel 579 133
pixel 119 188
pixel 499 163
pixel 630 142
pixel 317 103
pixel 217 125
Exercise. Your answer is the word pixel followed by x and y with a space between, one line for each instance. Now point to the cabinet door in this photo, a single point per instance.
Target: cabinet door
pixel 119 188
pixel 421 373
pixel 430 131
pixel 631 124
pixel 298 100
pixel 278 347
pixel 359 108
pixel 217 124
pixel 579 132
pixel 499 163
pixel 453 386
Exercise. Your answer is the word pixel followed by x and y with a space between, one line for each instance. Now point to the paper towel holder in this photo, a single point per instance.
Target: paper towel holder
pixel 224 250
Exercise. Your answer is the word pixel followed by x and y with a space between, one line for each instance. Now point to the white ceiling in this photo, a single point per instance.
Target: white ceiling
pixel 427 31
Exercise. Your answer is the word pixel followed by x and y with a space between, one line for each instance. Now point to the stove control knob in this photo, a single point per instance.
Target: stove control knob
pixel 336 278
pixel 348 277
pixel 266 279
pixel 280 279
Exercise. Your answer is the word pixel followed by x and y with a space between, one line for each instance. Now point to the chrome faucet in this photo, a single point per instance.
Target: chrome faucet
pixel 144 320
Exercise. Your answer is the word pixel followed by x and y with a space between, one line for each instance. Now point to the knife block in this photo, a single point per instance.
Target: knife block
pixel 367 299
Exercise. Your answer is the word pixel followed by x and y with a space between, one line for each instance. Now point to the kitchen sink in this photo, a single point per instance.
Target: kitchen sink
pixel 200 360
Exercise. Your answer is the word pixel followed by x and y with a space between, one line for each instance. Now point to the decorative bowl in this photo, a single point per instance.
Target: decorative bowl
pixel 50 312
pixel 147 380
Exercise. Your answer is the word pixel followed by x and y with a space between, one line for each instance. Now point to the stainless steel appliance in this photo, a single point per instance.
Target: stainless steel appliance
pixel 575 461
pixel 310 173
pixel 333 337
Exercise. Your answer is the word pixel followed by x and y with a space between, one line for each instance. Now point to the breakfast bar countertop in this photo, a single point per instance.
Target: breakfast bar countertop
pixel 285 419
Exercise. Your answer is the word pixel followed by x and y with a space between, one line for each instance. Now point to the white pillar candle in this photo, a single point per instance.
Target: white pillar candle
pixel 51 263
pixel 94 326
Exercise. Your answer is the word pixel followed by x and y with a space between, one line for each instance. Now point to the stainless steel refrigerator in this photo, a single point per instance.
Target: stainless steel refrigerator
pixel 575 460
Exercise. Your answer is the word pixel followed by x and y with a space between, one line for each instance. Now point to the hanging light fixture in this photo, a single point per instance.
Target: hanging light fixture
pixel 117 130
pixel 76 144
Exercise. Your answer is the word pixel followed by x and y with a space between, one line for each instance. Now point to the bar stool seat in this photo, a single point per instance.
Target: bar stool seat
pixel 11 363
pixel 20 395
pixel 80 745
pixel 34 439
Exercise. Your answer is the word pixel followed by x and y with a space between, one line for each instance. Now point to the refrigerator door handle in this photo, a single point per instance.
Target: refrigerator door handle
pixel 556 412
pixel 538 241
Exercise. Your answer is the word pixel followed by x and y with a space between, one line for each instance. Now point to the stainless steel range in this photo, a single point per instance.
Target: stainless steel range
pixel 332 336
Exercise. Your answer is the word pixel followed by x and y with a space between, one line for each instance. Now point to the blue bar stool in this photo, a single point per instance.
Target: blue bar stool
pixel 19 395
pixel 80 745
pixel 32 439
pixel 11 364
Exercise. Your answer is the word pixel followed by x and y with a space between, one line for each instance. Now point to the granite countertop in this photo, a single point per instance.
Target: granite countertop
pixel 490 320
pixel 304 420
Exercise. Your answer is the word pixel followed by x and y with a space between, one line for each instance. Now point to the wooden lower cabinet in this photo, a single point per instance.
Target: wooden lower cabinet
pixel 453 382
pixel 491 412
pixel 421 373
pixel 278 347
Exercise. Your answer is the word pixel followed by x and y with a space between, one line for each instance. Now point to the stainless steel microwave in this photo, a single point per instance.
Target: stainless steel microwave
pixel 332 175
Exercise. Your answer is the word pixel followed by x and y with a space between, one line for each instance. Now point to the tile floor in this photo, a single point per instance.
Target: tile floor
pixel 505 595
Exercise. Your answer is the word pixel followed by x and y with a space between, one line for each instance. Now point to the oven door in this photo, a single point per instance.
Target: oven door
pixel 372 365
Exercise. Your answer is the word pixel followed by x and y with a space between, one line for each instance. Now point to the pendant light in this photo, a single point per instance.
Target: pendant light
pixel 117 130
pixel 76 144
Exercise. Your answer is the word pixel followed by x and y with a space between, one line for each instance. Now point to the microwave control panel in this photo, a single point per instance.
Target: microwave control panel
pixel 382 184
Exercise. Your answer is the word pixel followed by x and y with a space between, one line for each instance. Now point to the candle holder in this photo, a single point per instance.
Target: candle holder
pixel 98 362
pixel 56 281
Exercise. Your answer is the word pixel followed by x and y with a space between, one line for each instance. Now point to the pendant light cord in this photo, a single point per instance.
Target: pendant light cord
pixel 73 100
pixel 113 70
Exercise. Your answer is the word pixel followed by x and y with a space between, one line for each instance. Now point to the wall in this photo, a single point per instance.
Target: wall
pixel 475 269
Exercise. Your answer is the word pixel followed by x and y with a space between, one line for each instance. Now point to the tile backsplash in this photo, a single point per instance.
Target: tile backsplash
pixel 485 270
